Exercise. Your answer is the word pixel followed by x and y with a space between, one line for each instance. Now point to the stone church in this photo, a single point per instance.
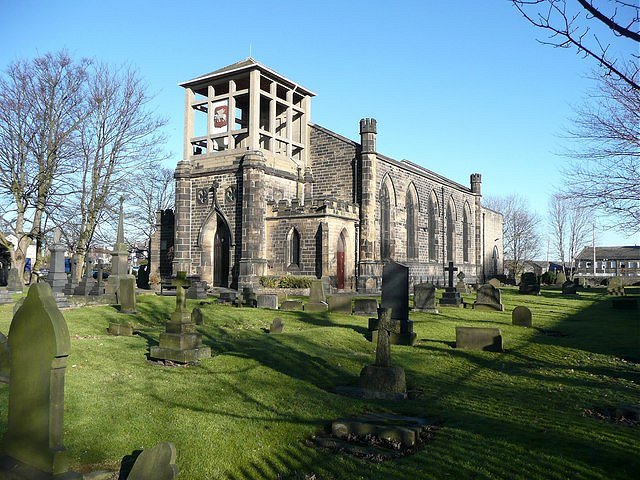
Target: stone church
pixel 262 191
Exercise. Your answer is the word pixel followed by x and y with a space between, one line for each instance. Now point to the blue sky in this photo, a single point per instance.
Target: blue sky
pixel 457 87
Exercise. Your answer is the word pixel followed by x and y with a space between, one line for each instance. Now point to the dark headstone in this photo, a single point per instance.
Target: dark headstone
pixel 424 298
pixel 157 463
pixel 476 338
pixel 339 303
pixel 529 284
pixel 39 344
pixel 227 297
pixel 276 326
pixel 267 300
pixel 291 305
pixel 451 296
pixel 395 290
pixel 521 316
pixel 142 281
pixel 488 298
pixel 365 306
pixel 249 297
pixel 569 288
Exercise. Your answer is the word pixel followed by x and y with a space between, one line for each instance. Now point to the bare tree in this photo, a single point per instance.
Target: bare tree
pixel 120 141
pixel 40 111
pixel 520 229
pixel 579 24
pixel 604 173
pixel 570 226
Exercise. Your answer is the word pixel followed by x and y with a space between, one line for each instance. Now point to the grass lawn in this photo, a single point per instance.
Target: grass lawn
pixel 245 412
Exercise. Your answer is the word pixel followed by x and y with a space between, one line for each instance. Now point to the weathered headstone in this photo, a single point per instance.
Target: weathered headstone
pixel 87 283
pixel 249 297
pixel 197 290
pixel 495 282
pixel 451 297
pixel 127 294
pixel 99 287
pixel 477 338
pixel 395 295
pixel 529 284
pixel 291 305
pixel 57 277
pixel 267 300
pixel 317 299
pixel 521 316
pixel 119 255
pixel 39 344
pixel 339 303
pixel 461 287
pixel 13 282
pixel 424 298
pixel 157 463
pixel 614 287
pixel 569 287
pixel 276 326
pixel 488 298
pixel 196 316
pixel 227 297
pixel 181 342
pixel 365 306
pixel 383 380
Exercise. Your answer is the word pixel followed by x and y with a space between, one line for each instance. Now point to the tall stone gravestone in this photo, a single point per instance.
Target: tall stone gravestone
pixel 99 286
pixel 461 287
pixel 57 277
pixel 127 294
pixel 383 380
pixel 424 298
pixel 72 283
pixel 395 295
pixel 181 342
pixel 87 283
pixel 317 299
pixel 488 298
pixel 13 281
pixel 39 344
pixel 529 284
pixel 451 296
pixel 119 255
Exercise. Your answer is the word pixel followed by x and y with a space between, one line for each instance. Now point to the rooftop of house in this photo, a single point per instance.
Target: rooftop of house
pixel 610 253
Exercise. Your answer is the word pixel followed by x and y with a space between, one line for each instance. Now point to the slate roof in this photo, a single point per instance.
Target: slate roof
pixel 246 64
pixel 610 253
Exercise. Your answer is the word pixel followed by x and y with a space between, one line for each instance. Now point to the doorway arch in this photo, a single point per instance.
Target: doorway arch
pixel 215 243
pixel 340 261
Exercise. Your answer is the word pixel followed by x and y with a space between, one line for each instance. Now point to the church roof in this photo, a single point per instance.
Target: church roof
pixel 245 65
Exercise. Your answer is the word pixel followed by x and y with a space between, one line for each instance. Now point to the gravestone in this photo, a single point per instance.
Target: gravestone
pixel 521 316
pixel 614 287
pixel 276 326
pixel 365 306
pixel 196 316
pixel 561 278
pixel 57 277
pixel 488 298
pixel 339 303
pixel 142 280
pixel 5 359
pixel 495 282
pixel 13 282
pixel 395 296
pixel 87 283
pixel 198 289
pixel 424 298
pixel 461 287
pixel 317 299
pixel 157 463
pixel 39 344
pixel 127 294
pixel 227 297
pixel 72 283
pixel 119 256
pixel 529 284
pixel 476 338
pixel 291 305
pixel 383 380
pixel 5 297
pixel 99 287
pixel 451 297
pixel 267 300
pixel 181 342
pixel 238 300
pixel 569 288
pixel 249 297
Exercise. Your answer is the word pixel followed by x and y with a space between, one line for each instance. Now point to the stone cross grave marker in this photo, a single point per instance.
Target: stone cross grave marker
pixel 180 282
pixel 451 269
pixel 39 344
pixel 451 297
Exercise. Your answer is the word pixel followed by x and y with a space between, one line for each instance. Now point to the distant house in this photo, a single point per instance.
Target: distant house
pixel 536 266
pixel 609 262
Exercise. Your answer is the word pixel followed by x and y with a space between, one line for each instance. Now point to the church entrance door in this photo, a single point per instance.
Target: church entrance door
pixel 340 262
pixel 221 242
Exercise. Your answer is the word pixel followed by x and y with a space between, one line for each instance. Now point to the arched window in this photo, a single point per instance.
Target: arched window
pixel 466 236
pixel 432 226
pixel 294 248
pixel 451 233
pixel 385 224
pixel 412 221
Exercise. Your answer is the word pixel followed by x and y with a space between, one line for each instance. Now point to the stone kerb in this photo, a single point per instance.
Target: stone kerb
pixel 39 344
pixel 477 338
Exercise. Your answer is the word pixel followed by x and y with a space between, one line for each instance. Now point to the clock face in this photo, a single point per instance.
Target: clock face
pixel 202 196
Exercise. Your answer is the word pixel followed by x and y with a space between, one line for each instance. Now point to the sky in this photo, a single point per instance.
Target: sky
pixel 455 86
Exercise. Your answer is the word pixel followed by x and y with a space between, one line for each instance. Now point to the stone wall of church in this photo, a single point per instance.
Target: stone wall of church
pixel 493 241
pixel 332 162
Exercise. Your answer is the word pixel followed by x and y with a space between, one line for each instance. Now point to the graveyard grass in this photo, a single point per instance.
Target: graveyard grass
pixel 246 412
